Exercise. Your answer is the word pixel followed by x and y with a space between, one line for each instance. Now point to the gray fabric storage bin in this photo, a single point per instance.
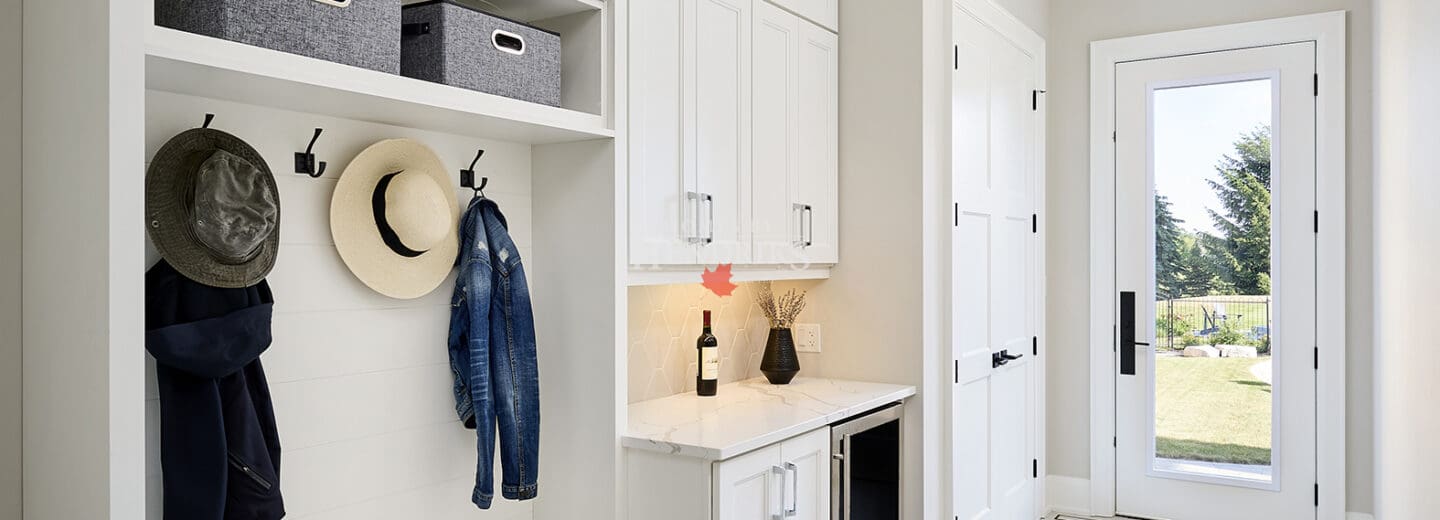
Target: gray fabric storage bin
pixel 447 42
pixel 362 33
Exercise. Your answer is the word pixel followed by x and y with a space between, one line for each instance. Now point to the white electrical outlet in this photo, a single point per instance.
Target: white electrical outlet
pixel 807 337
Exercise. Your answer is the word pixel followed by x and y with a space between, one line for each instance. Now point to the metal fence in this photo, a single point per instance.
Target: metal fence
pixel 1205 320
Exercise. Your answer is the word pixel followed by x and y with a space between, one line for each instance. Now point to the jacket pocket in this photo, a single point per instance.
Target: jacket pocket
pixel 249 472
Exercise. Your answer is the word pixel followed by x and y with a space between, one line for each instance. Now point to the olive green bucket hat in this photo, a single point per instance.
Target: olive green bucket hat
pixel 212 209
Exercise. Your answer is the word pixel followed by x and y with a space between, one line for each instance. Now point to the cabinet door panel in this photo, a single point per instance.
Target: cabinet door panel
pixel 807 483
pixel 775 228
pixel 746 487
pixel 818 75
pixel 662 220
pixel 717 127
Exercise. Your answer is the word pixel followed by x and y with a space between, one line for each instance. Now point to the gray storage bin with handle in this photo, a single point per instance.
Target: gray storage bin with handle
pixel 362 33
pixel 447 42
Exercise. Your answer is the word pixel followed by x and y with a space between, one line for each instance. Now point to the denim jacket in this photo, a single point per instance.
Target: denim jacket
pixel 492 355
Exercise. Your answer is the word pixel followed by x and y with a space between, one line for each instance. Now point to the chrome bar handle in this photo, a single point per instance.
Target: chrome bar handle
pixel 794 489
pixel 799 210
pixel 782 473
pixel 810 235
pixel 692 199
pixel 710 200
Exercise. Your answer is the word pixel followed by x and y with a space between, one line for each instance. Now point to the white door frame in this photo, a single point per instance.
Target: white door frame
pixel 1027 40
pixel 1327 30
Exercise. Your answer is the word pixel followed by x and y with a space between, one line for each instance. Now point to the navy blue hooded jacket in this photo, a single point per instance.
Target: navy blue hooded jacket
pixel 218 446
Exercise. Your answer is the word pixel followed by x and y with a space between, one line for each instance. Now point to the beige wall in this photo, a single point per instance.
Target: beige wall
pixel 1078 24
pixel 1035 14
pixel 10 259
pixel 1407 186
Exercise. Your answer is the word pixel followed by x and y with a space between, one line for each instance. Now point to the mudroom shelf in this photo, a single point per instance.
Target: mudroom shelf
pixel 533 10
pixel 191 64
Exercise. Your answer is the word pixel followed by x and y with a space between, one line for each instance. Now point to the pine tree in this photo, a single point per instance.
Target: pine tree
pixel 1168 246
pixel 1244 192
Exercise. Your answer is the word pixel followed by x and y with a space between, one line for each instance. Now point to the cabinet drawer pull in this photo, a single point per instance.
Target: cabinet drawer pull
pixel 794 478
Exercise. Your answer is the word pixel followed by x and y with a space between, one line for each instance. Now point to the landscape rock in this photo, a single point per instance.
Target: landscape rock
pixel 1238 351
pixel 1201 351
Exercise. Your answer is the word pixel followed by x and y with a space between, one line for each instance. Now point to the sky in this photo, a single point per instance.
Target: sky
pixel 1194 128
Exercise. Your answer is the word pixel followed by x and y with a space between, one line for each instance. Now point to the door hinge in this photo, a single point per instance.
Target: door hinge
pixel 1034 468
pixel 957 371
pixel 1114 136
pixel 1035 99
pixel 1034 223
pixel 957 214
pixel 1317 221
pixel 1317 84
pixel 1317 358
pixel 1317 494
pixel 1115 442
pixel 1034 345
pixel 957 57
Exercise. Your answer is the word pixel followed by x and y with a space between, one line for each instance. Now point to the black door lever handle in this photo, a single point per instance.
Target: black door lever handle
pixel 1001 358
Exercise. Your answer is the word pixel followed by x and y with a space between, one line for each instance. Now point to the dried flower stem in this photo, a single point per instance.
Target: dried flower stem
pixel 781 311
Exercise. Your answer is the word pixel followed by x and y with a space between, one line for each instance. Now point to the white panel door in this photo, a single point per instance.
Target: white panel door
pixel 806 484
pixel 818 80
pixel 1216 437
pixel 717 124
pixel 994 276
pixel 663 207
pixel 775 110
pixel 748 487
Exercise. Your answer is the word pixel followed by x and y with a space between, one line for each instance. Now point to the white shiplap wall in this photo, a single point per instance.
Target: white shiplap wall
pixel 361 382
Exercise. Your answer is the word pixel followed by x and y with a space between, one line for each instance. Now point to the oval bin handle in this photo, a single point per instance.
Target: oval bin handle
pixel 336 3
pixel 506 41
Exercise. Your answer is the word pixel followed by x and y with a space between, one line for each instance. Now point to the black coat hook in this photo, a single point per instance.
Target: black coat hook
pixel 467 176
pixel 305 161
pixel 208 119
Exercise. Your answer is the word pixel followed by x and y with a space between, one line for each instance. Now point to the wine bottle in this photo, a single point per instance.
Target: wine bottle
pixel 707 377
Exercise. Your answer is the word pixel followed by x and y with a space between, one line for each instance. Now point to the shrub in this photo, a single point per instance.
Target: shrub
pixel 1226 335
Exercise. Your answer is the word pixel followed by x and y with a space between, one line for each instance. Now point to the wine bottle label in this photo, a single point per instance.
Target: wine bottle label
pixel 709 363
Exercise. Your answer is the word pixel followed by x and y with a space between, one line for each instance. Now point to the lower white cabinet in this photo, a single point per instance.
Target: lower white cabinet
pixel 783 481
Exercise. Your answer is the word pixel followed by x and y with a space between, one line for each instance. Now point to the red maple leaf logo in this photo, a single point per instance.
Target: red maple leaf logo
pixel 718 281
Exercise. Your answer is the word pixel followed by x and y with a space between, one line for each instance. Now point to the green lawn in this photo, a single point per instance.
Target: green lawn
pixel 1211 409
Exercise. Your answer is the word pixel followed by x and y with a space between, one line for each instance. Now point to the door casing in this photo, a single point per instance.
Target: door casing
pixel 1327 30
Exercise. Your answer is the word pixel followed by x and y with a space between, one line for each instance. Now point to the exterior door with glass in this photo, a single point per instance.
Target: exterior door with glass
pixel 1215 266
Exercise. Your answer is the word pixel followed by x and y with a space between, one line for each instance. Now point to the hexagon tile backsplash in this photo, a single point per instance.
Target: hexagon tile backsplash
pixel 665 320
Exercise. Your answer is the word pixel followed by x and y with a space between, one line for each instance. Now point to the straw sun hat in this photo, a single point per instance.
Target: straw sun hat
pixel 394 218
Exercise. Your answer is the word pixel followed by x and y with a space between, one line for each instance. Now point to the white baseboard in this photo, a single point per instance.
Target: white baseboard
pixel 1072 495
pixel 1067 494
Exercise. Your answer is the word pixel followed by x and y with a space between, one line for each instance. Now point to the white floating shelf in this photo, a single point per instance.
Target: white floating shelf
pixel 196 65
pixel 532 10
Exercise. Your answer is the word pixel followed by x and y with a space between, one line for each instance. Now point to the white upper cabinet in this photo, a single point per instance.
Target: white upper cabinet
pixel 825 13
pixel 796 134
pixel 776 112
pixel 663 224
pixel 717 125
pixel 733 135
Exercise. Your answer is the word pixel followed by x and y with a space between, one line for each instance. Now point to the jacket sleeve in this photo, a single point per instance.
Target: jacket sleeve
pixel 216 347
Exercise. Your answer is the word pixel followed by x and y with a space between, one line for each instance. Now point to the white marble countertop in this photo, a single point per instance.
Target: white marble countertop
pixel 750 414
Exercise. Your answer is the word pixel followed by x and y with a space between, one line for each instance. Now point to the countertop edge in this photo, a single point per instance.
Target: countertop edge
pixel 766 439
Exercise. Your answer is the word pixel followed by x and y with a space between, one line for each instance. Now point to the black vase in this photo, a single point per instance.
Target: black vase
pixel 780 363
